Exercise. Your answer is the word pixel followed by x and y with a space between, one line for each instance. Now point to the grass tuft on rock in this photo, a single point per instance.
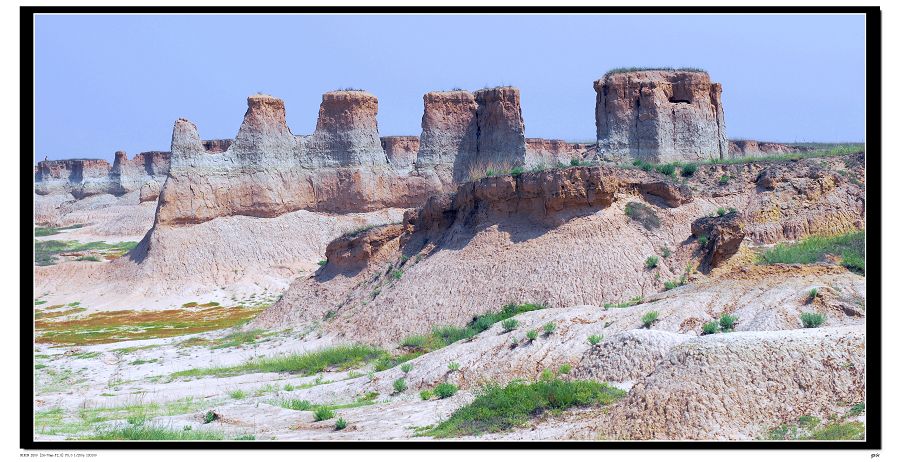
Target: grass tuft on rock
pixel 501 408
pixel 849 247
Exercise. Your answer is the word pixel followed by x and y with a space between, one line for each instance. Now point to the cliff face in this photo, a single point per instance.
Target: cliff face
pixel 401 151
pixel 86 177
pixel 660 116
pixel 752 148
pixel 464 131
pixel 268 171
pixel 540 151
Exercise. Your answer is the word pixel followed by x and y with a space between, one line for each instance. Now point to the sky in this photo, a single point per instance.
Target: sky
pixel 119 82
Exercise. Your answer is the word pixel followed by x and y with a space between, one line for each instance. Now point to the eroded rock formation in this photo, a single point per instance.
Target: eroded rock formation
pixel 752 148
pixel 87 177
pixel 660 116
pixel 540 151
pixel 401 151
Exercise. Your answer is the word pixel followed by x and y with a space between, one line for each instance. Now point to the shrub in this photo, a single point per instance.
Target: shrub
pixel 651 262
pixel 516 171
pixel 669 285
pixel 595 339
pixel 509 324
pixel 666 169
pixel 649 318
pixel 340 424
pixel 532 335
pixel 666 252
pixel 642 214
pixel 811 320
pixel 323 262
pixel 721 211
pixel 406 367
pixel 426 394
pixel 711 327
pixel 723 180
pixel 812 295
pixel 501 408
pixel 575 162
pixel 688 169
pixel 400 385
pixel 727 322
pixel 396 274
pixel 703 240
pixel 445 390
pixel 209 417
pixel 453 366
pixel 857 409
pixel 564 369
pixel 238 394
pixel 323 413
pixel 549 328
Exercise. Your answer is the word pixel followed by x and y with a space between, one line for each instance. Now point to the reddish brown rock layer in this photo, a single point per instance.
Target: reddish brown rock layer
pixel 550 152
pixel 401 151
pixel 752 148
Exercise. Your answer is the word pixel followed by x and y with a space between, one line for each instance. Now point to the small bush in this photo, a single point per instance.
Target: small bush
pixel 323 413
pixel 669 285
pixel 453 366
pixel 516 171
pixel 575 162
pixel 857 409
pixel 812 295
pixel 723 180
pixel 666 252
pixel 323 262
pixel 595 339
pixel 209 417
pixel 532 335
pixel 509 324
pixel 649 318
pixel 426 394
pixel 666 169
pixel 549 328
pixel 400 385
pixel 289 387
pixel 703 240
pixel 340 424
pixel 812 320
pixel 721 212
pixel 688 169
pixel 237 394
pixel 396 274
pixel 651 262
pixel 727 322
pixel 564 369
pixel 406 367
pixel 445 390
pixel 710 328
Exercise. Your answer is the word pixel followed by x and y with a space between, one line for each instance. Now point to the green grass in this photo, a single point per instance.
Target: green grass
pixel 445 390
pixel 237 394
pixel 453 366
pixel 323 413
pixel 406 367
pixel 649 318
pixel 153 433
pixel 857 409
pixel 296 404
pixel 509 324
pixel 549 328
pixel 338 357
pixel 811 428
pixel 46 252
pixel 532 335
pixel 849 247
pixel 442 336
pixel 623 70
pixel 651 262
pixel 426 395
pixel 51 230
pixel 688 169
pixel 666 169
pixel 709 328
pixel 595 339
pixel 238 339
pixel 400 385
pixel 724 179
pixel 636 300
pixel 727 322
pixel 501 408
pixel 812 320
pixel 340 424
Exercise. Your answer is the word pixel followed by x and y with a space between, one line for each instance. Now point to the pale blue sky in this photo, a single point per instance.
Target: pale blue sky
pixel 105 83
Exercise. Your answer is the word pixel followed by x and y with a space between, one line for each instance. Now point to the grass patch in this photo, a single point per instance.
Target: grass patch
pixel 636 300
pixel 651 262
pixel 40 231
pixel 238 339
pixel 47 252
pixel 812 320
pixel 623 70
pixel 811 428
pixel 649 318
pixel 501 408
pixel 119 326
pixel 445 390
pixel 339 357
pixel 153 433
pixel 849 247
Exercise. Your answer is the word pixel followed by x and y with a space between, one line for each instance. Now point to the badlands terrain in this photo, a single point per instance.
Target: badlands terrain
pixel 660 282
